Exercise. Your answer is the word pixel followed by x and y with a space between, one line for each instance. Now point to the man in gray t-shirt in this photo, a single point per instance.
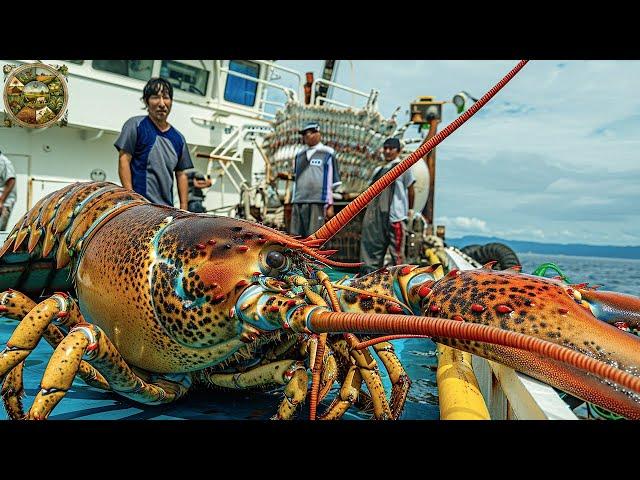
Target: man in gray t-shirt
pixel 7 190
pixel 151 151
pixel 383 223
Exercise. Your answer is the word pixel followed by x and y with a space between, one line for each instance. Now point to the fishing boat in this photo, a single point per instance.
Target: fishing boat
pixel 243 139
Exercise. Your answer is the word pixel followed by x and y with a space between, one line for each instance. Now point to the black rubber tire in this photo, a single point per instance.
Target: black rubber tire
pixel 500 252
pixel 472 250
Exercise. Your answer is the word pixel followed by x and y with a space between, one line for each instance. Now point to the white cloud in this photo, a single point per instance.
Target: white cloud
pixel 465 224
pixel 522 234
pixel 563 185
pixel 589 201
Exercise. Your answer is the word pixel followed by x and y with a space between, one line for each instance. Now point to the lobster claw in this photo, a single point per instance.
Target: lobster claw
pixel 612 307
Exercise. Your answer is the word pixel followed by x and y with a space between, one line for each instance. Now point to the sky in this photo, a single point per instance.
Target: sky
pixel 552 158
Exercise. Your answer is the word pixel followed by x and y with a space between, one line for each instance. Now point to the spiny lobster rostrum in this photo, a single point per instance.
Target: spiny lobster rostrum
pixel 163 299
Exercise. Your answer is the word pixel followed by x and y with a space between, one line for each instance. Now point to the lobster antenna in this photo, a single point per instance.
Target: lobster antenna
pixel 334 225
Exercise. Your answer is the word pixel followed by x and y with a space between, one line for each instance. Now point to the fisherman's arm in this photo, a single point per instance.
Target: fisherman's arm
pixel 126 144
pixel 124 169
pixel 411 195
pixel 183 188
pixel 8 186
pixel 201 183
pixel 335 183
pixel 182 179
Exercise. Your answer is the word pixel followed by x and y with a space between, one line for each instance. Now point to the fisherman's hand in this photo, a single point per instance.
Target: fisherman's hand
pixel 329 212
pixel 285 176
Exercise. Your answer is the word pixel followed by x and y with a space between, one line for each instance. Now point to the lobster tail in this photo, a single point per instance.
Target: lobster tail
pixel 56 227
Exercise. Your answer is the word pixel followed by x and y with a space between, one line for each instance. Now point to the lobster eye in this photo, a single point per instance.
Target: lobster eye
pixel 276 259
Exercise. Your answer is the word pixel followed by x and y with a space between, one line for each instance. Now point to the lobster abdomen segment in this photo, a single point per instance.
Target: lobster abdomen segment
pixel 80 207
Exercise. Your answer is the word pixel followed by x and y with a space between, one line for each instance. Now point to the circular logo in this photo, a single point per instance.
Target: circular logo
pixel 35 95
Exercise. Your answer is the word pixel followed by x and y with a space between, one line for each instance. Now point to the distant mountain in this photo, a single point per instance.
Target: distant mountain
pixel 578 249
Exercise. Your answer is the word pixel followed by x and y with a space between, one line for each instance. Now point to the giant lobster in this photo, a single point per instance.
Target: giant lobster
pixel 161 300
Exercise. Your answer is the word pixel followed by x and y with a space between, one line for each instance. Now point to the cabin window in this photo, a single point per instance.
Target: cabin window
pixel 241 90
pixel 138 69
pixel 77 62
pixel 185 77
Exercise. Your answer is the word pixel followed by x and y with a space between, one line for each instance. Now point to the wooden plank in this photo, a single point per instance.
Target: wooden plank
pixel 514 396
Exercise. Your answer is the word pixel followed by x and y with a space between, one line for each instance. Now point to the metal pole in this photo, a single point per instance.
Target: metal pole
pixel 430 159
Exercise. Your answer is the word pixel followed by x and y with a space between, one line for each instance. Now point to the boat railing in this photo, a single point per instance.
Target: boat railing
pixel 372 97
pixel 275 66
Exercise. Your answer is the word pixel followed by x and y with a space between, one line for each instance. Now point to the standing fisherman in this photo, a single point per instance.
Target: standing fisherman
pixel 316 176
pixel 383 223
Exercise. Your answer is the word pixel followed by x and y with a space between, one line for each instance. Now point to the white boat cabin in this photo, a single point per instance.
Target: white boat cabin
pixel 222 107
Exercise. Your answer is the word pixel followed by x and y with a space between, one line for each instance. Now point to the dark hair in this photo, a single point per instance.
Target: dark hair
pixel 393 142
pixel 156 86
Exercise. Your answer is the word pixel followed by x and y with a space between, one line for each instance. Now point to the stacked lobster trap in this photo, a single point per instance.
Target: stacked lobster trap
pixel 356 136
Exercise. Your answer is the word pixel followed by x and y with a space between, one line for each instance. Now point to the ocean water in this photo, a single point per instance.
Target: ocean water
pixel 615 274
pixel 417 356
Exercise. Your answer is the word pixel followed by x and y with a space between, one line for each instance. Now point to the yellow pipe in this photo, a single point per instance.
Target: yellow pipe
pixel 433 259
pixel 458 391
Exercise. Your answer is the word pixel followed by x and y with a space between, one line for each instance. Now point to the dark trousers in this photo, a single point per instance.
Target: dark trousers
pixel 196 206
pixel 4 217
pixel 374 245
pixel 306 218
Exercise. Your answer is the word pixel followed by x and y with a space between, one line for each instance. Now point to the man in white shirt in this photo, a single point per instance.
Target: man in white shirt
pixel 383 224
pixel 7 190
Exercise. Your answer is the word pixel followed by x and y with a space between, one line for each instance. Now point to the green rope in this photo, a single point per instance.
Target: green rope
pixel 606 414
pixel 542 270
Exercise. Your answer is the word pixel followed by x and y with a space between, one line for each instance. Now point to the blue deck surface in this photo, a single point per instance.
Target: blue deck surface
pixel 87 403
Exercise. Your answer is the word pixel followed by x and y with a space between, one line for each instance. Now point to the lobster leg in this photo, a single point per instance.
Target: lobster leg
pixel 58 308
pixel 351 392
pixel 328 369
pixel 399 379
pixel 347 396
pixel 329 373
pixel 363 359
pixel 367 371
pixel 345 362
pixel 294 393
pixel 18 306
pixel 88 340
pixel 12 392
pixel 290 373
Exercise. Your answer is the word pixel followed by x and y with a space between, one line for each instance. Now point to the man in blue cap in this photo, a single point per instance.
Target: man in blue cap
pixel 316 176
pixel 383 223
